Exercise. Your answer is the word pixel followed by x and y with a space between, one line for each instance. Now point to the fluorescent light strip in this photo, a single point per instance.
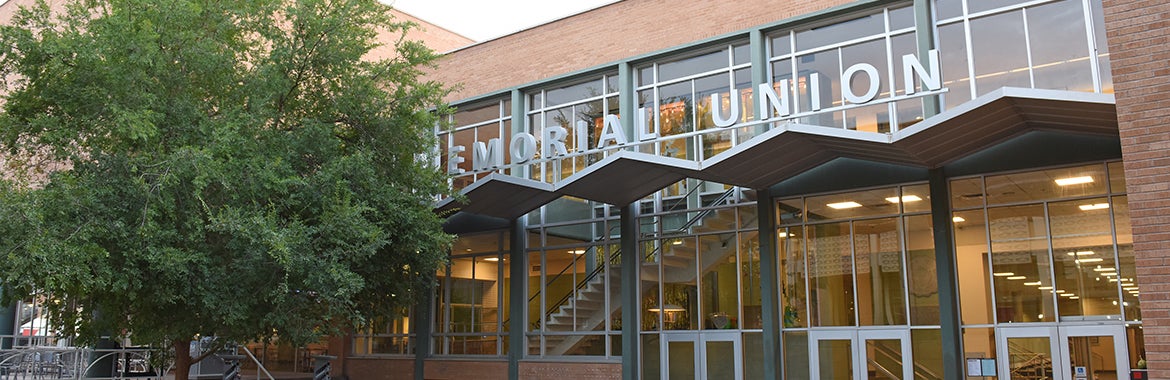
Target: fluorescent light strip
pixel 1017 277
pixel 844 205
pixel 1094 206
pixel 905 199
pixel 1082 261
pixel 1074 180
pixel 1003 274
pixel 1036 283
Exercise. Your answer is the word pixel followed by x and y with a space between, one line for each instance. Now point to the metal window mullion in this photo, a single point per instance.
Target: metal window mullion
pixel 1052 264
pixel 843 84
pixel 991 268
pixel 1117 260
pixel 853 276
pixel 1094 61
pixel 970 52
pixel 794 95
pixel 1028 48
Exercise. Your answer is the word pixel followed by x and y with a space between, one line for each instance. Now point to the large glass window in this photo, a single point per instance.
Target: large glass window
pixel 678 95
pixel 816 69
pixel 472 311
pixel 1058 45
pixel 1044 246
pixel 480 122
pixel 858 246
pixel 573 281
pixel 579 109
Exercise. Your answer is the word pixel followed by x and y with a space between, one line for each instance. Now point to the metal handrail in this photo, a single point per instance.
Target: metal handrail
pixel 919 369
pixel 259 365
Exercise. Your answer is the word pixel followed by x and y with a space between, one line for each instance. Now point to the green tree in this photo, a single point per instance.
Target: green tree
pixel 228 168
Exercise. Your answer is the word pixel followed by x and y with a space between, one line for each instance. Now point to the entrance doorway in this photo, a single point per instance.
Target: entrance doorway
pixel 1096 352
pixel 702 356
pixel 873 354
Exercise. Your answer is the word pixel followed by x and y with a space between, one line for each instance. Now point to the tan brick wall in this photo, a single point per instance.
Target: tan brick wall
pixel 605 35
pixel 1139 44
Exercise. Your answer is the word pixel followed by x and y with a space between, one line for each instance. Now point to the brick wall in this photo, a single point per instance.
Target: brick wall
pixel 1139 37
pixel 605 35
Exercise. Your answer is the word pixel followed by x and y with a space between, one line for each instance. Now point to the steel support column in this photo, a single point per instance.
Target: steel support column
pixel 948 287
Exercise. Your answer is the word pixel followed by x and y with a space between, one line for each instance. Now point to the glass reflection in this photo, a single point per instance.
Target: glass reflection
pixel 1020 263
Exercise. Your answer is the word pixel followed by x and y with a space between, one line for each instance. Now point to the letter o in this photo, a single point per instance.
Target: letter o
pixel 874 83
pixel 523 148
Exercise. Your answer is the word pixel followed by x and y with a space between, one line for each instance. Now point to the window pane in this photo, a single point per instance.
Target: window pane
pixel 1021 266
pixel 720 289
pixel 1001 56
pixel 790 242
pixel 956 77
pixel 853 205
pixel 827 84
pixel 922 276
pixel 1127 264
pixel 796 355
pixel 691 66
pixel 749 255
pixel 1082 247
pixel 841 32
pixel 1060 51
pixel 971 255
pixel 831 275
pixel 1046 184
pixel 573 93
pixel 877 253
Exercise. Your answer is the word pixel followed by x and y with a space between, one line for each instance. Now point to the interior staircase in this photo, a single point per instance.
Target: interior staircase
pixel 585 309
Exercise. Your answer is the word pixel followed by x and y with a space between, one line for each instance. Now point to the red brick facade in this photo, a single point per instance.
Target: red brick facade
pixel 604 35
pixel 1139 45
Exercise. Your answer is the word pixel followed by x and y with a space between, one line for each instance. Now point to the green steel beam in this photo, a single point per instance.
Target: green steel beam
pixel 422 330
pixel 924 30
pixel 948 287
pixel 518 261
pixel 769 284
pixel 631 261
pixel 759 57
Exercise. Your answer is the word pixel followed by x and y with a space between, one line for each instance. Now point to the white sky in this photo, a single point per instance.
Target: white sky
pixel 482 20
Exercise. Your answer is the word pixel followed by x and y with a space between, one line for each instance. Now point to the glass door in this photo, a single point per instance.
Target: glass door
pixel 1094 352
pixel 1063 353
pixel 702 356
pixel 1027 353
pixel 860 354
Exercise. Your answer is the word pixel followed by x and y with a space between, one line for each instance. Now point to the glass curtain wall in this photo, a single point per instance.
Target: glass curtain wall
pixel 470 123
pixel 807 65
pixel 472 310
pixel 677 96
pixel 385 336
pixel 1050 245
pixel 700 271
pixel 1058 45
pixel 579 109
pixel 573 305
pixel 858 259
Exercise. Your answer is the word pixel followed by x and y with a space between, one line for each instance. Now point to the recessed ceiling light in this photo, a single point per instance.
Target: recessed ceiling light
pixel 1095 206
pixel 1035 283
pixel 1082 261
pixel 1074 180
pixel 491 259
pixel 781 235
pixel 1003 274
pixel 958 219
pixel 1045 288
pixel 905 198
pixel 1106 269
pixel 1017 277
pixel 844 205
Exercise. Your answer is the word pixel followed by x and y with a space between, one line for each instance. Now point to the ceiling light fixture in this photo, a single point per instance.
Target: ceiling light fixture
pixel 905 199
pixel 1094 206
pixel 844 205
pixel 1074 180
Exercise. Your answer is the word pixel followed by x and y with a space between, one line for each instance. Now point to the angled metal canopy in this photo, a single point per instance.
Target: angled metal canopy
pixel 788 150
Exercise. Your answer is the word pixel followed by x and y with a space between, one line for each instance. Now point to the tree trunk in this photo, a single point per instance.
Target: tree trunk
pixel 182 359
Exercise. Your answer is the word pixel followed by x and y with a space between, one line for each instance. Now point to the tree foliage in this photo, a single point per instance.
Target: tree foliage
pixel 234 168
